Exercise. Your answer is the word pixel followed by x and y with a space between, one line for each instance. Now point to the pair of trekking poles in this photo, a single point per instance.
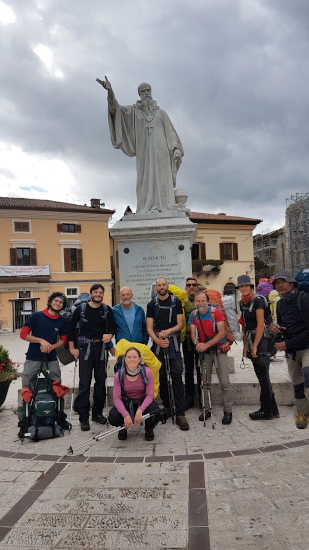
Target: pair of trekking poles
pixel 204 385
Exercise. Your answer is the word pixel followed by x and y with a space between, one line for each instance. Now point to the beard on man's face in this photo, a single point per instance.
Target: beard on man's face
pixel 147 104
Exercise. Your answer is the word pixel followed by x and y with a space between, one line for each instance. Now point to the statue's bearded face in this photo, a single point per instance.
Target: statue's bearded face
pixel 144 91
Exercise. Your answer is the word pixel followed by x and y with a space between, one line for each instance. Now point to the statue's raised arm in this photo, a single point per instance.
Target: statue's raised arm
pixel 107 85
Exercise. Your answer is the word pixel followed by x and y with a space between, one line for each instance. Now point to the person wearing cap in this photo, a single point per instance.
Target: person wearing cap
pixel 46 331
pixel 292 335
pixel 257 342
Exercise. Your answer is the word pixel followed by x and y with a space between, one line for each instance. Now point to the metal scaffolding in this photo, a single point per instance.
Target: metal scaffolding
pixel 297 231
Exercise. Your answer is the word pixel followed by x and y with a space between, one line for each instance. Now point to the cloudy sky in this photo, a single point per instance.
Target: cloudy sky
pixel 232 75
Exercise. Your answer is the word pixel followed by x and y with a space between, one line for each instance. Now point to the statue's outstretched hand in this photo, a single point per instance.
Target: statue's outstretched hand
pixel 105 83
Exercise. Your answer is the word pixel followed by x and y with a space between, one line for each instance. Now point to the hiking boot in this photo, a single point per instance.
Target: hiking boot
pixel 189 402
pixel 149 435
pixel 84 425
pixel 99 418
pixel 122 434
pixel 301 421
pixel 181 421
pixel 261 415
pixel 227 418
pixel 207 415
pixel 21 433
pixel 65 425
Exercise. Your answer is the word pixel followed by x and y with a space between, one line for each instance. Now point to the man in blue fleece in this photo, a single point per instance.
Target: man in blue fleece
pixel 129 319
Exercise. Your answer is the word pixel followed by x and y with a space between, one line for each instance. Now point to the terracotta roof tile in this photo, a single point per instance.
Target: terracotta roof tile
pixel 200 217
pixel 38 204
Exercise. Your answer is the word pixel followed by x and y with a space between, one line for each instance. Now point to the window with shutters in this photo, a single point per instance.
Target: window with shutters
pixel 198 251
pixel 69 228
pixel 229 251
pixel 73 259
pixel 21 226
pixel 23 256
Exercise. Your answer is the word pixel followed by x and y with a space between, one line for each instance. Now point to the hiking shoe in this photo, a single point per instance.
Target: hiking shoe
pixel 84 425
pixel 21 433
pixel 149 435
pixel 99 418
pixel 181 421
pixel 261 415
pixel 301 421
pixel 227 418
pixel 65 425
pixel 207 415
pixel 122 434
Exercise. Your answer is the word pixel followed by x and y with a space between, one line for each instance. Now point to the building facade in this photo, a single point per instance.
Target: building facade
pixel 223 250
pixel 50 246
pixel 270 249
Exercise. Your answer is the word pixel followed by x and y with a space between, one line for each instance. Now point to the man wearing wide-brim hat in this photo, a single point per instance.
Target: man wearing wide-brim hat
pixel 293 328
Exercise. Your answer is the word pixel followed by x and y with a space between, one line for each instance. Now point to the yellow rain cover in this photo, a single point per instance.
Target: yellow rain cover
pixel 150 359
pixel 182 295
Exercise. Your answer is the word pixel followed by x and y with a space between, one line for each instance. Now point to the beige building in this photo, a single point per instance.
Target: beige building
pixel 49 246
pixel 225 238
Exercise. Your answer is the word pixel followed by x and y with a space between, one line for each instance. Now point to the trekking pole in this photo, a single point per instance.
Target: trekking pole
pixel 96 438
pixel 208 391
pixel 72 396
pixel 169 384
pixel 106 352
pixel 202 386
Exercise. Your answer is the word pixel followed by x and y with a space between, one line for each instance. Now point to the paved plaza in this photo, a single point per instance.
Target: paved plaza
pixel 237 487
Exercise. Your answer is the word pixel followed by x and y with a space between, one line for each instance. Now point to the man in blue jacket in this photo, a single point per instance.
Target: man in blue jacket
pixel 129 319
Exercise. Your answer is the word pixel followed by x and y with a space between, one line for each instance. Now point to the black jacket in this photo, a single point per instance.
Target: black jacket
pixel 295 319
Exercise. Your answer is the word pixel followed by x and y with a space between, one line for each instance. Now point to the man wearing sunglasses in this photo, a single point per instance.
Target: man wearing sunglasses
pixel 189 354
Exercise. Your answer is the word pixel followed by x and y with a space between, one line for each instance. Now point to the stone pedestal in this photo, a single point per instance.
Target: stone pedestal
pixel 149 247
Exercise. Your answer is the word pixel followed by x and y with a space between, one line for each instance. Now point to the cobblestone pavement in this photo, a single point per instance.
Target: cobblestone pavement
pixel 237 487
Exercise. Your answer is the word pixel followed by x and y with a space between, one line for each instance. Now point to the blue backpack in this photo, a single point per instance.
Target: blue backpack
pixel 302 279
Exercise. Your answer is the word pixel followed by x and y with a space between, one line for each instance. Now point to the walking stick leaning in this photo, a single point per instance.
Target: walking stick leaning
pixel 169 384
pixel 72 395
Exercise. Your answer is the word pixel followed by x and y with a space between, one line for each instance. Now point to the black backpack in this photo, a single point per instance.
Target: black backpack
pixel 42 414
pixel 64 355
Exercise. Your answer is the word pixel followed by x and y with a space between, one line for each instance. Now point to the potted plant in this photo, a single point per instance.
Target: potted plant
pixel 8 373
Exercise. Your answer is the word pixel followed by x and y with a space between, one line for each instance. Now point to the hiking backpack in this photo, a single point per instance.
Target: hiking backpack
pixel 43 413
pixel 215 301
pixel 232 317
pixel 302 279
pixel 64 355
pixel 120 368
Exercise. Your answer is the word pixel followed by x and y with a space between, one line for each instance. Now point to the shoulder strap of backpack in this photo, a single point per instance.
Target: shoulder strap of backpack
pixel 300 298
pixel 143 374
pixel 82 317
pixel 212 309
pixel 157 306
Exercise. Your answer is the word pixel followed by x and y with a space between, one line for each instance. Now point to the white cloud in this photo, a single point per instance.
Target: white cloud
pixel 6 14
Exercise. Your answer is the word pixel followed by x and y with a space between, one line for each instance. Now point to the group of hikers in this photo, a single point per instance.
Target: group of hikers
pixel 192 324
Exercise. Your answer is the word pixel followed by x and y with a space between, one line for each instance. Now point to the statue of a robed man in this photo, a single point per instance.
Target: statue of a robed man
pixel 144 131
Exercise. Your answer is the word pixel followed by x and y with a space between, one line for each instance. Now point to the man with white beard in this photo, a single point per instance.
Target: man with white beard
pixel 130 319
pixel 145 131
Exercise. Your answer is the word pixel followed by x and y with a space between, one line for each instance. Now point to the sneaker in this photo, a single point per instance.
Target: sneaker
pixel 122 434
pixel 84 425
pixel 261 415
pixel 149 435
pixel 207 415
pixel 227 418
pixel 181 421
pixel 99 418
pixel 301 421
